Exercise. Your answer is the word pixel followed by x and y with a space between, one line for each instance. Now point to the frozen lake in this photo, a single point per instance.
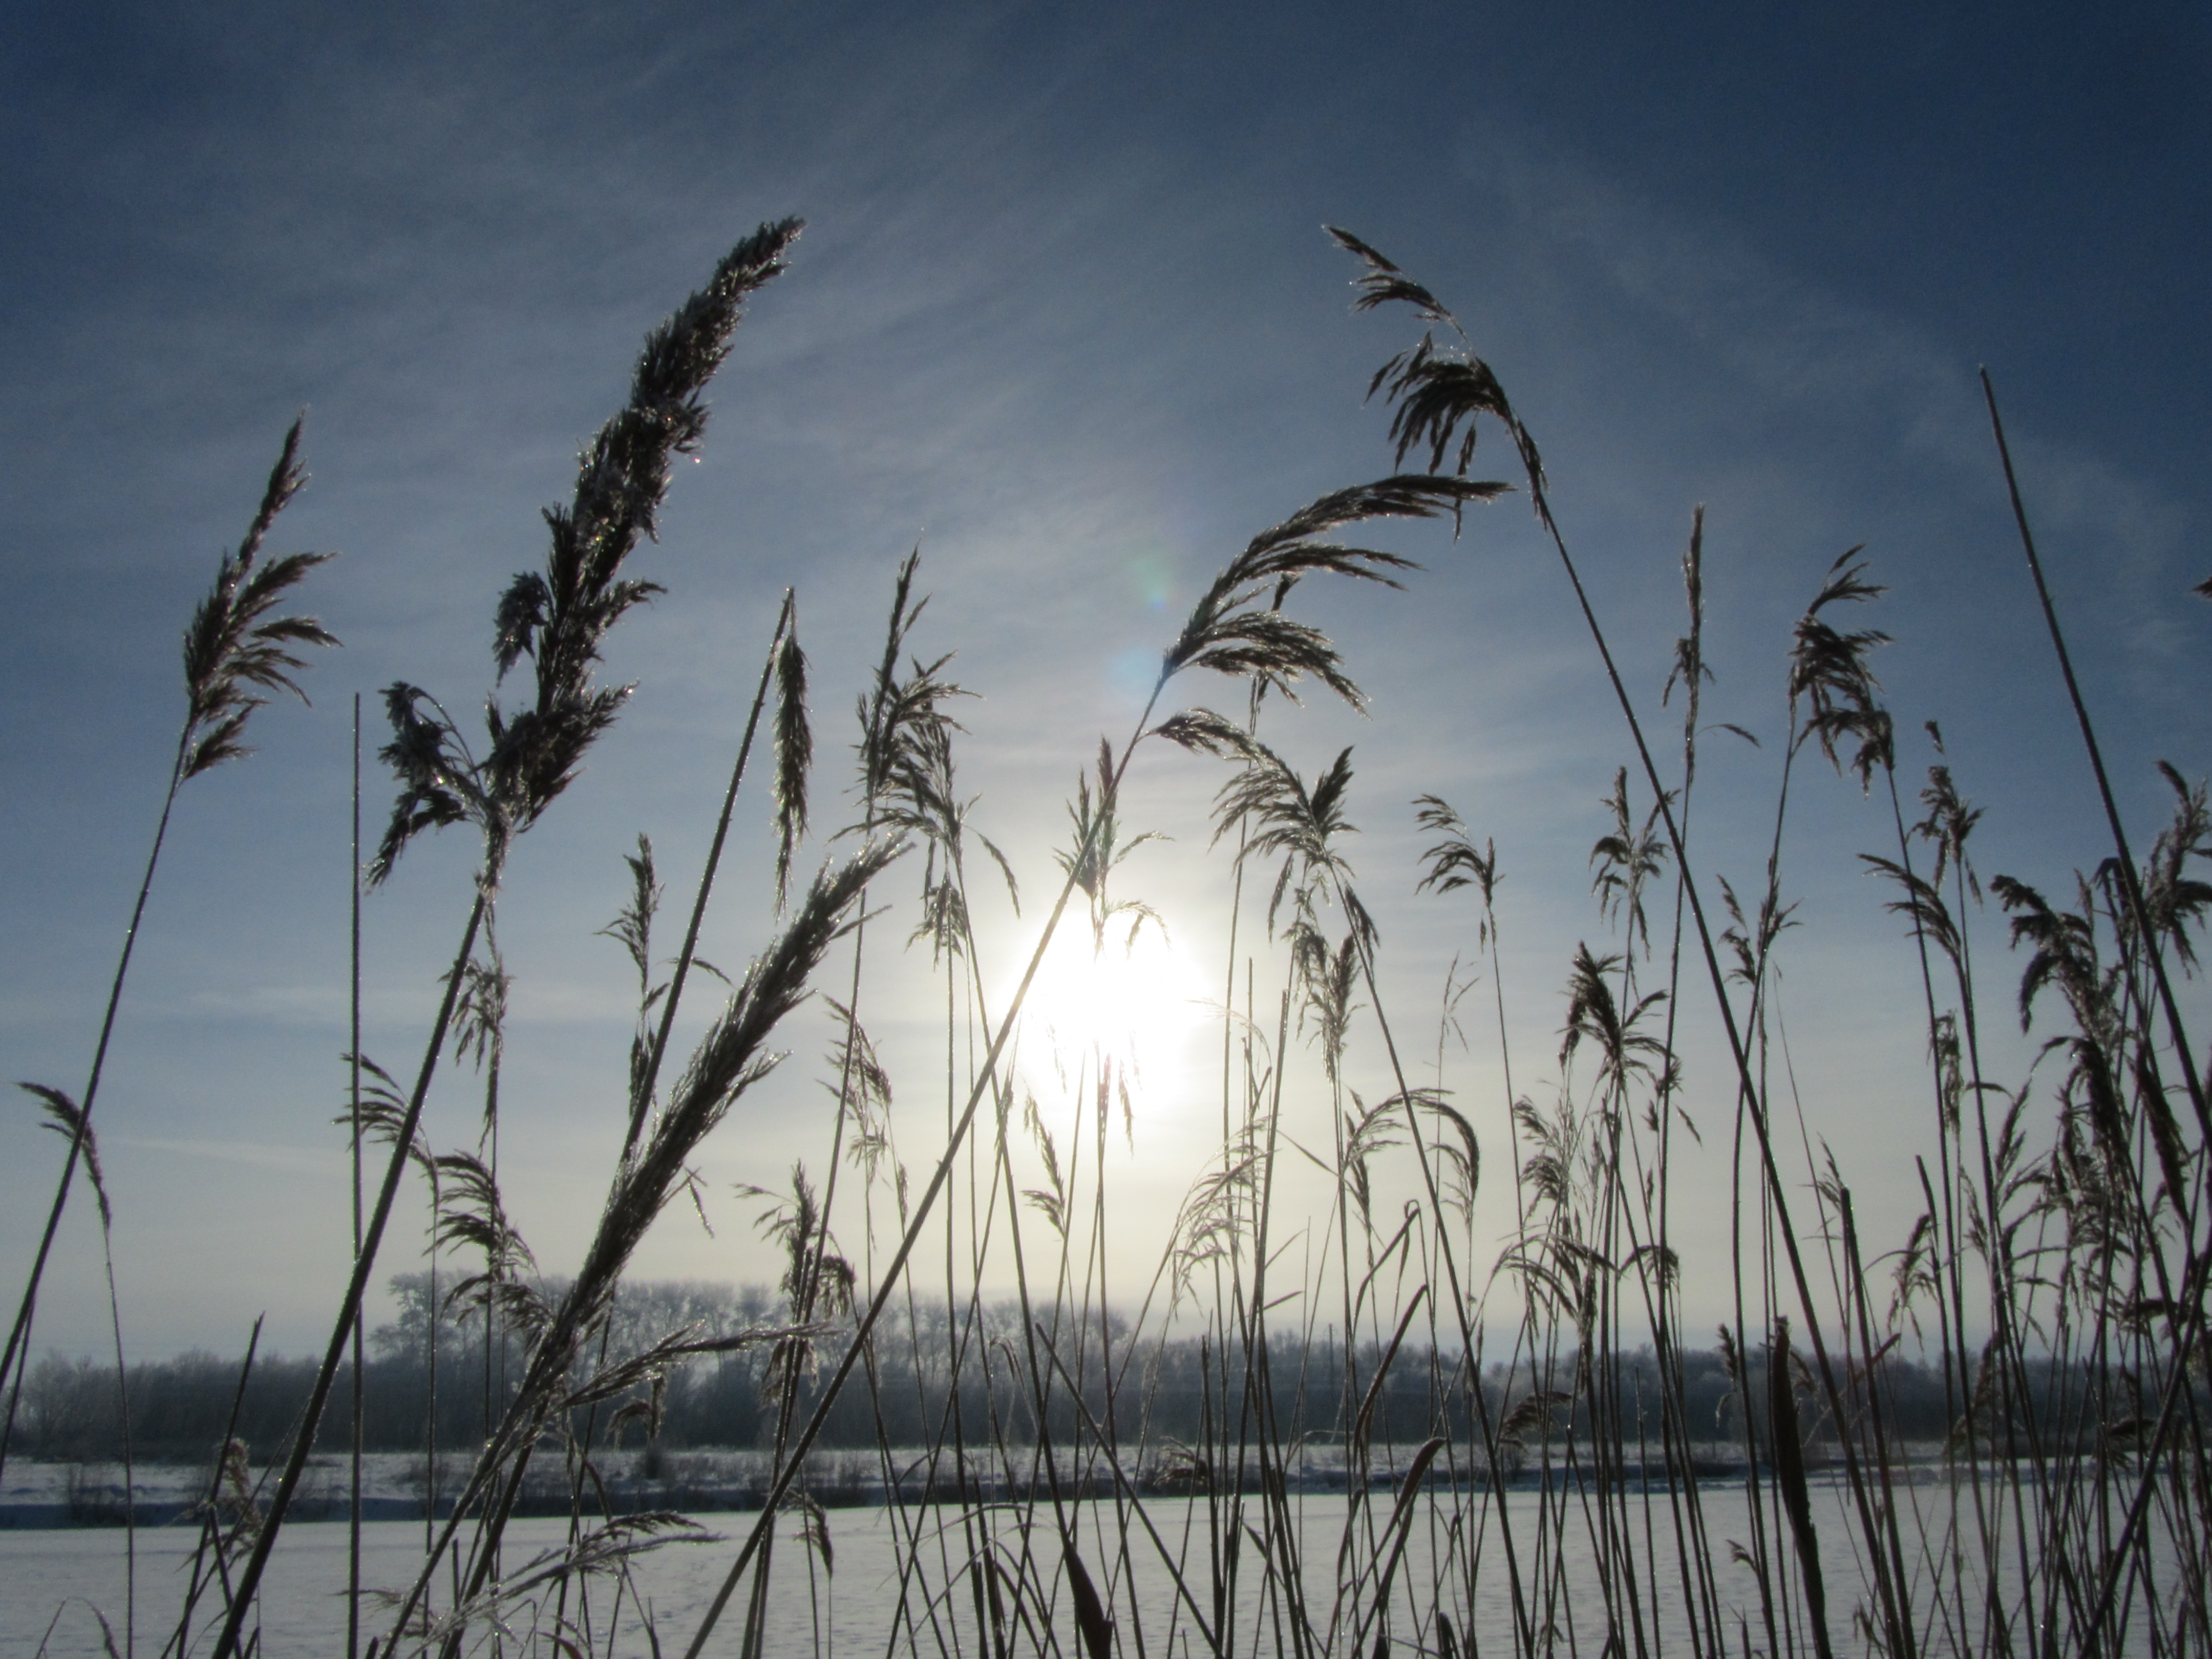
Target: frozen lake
pixel 53 1579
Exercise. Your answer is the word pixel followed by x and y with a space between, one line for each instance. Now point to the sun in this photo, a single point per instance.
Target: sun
pixel 1133 999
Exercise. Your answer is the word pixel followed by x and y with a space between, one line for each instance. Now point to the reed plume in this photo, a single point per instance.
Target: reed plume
pixel 235 647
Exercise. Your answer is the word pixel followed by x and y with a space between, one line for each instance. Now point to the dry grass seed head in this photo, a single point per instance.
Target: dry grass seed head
pixel 1282 817
pixel 1328 978
pixel 560 617
pixel 234 643
pixel 1950 820
pixel 794 758
pixel 1231 631
pixel 1096 850
pixel 632 928
pixel 1452 862
pixel 1689 670
pixel 1923 905
pixel 1627 860
pixel 2064 954
pixel 1829 672
pixel 61 1115
pixel 1594 1014
pixel 2172 897
pixel 480 1014
pixel 471 1214
pixel 1436 394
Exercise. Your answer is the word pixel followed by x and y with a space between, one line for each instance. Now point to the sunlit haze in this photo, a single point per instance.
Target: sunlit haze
pixel 1126 999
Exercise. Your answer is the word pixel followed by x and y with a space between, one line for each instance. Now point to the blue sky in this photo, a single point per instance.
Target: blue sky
pixel 1065 317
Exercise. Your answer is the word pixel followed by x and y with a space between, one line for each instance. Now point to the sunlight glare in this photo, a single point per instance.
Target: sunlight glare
pixel 1137 1002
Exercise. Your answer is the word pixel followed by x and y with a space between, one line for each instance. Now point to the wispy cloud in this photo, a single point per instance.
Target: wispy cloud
pixel 247 1154
pixel 1840 366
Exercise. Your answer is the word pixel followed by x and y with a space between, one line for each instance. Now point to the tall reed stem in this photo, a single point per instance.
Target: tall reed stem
pixel 353 1098
pixel 350 1308
pixel 2130 881
pixel 685 956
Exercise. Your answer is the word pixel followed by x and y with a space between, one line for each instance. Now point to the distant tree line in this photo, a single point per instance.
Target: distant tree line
pixel 180 1408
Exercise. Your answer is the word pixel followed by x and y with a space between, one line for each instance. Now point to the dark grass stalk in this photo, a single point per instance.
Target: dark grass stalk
pixel 1233 1313
pixel 1222 1544
pixel 645 1083
pixel 1947 1242
pixel 356 1417
pixel 642 1101
pixel 63 1117
pixel 2131 882
pixel 1096 1265
pixel 233 649
pixel 350 1307
pixel 954 1332
pixel 211 1539
pixel 486 1034
pixel 1951 1345
pixel 976 1521
pixel 1223 1536
pixel 431 1322
pixel 1043 1334
pixel 1736 1359
pixel 1038 1397
pixel 1259 1409
pixel 1876 1424
pixel 888 720
pixel 122 1421
pixel 1797 1494
pixel 2004 1273
pixel 1626 864
pixel 1693 1546
pixel 1987 1503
